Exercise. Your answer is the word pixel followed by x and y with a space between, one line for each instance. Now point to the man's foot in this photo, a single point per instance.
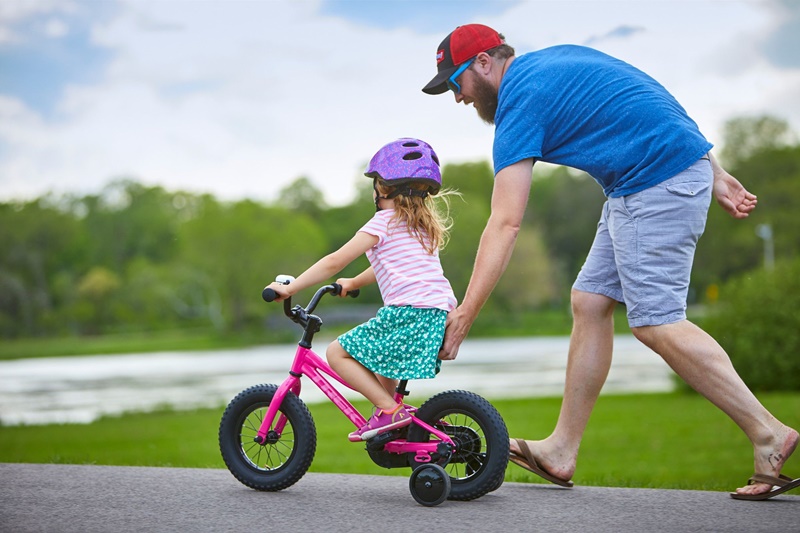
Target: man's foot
pixel 769 460
pixel 381 422
pixel 554 466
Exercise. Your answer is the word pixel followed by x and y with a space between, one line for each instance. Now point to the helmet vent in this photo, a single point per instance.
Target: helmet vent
pixel 406 160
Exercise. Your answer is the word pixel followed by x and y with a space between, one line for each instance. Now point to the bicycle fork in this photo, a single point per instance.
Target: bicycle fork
pixel 266 432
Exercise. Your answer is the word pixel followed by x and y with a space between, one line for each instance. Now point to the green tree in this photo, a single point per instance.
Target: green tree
pixel 302 196
pixel 242 246
pixel 757 322
pixel 731 247
pixel 558 229
pixel 128 220
pixel 474 181
pixel 38 242
pixel 744 137
pixel 566 205
pixel 339 225
pixel 774 176
pixel 96 294
pixel 469 212
pixel 528 282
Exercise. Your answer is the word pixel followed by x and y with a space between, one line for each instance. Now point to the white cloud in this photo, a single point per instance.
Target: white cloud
pixel 56 28
pixel 14 11
pixel 240 98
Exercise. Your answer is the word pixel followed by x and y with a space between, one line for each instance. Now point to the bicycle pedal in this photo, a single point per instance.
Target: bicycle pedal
pixel 376 443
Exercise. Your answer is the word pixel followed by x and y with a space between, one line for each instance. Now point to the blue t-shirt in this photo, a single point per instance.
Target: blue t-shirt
pixel 578 107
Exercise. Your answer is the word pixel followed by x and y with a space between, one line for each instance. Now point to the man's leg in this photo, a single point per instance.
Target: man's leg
pixel 589 359
pixel 665 222
pixel 697 358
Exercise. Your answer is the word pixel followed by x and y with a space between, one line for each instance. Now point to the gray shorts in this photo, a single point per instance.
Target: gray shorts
pixel 644 247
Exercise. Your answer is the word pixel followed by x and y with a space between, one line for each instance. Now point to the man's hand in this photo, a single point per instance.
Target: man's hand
pixel 733 197
pixel 731 194
pixel 455 332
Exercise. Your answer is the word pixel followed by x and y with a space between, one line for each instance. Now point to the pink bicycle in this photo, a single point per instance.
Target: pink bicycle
pixel 457 445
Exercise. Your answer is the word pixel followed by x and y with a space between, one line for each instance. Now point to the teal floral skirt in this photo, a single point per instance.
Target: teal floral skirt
pixel 399 343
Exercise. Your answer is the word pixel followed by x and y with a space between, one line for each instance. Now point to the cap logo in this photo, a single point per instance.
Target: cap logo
pixel 439 56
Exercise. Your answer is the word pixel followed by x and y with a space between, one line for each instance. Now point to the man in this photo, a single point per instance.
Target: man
pixel 578 107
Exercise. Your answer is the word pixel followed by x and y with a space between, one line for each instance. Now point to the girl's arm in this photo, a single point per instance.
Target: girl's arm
pixel 328 266
pixel 348 284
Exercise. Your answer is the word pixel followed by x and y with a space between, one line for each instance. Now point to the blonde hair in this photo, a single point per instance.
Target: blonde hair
pixel 428 219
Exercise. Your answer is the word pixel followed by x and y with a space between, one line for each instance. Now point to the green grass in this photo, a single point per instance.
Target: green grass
pixel 677 441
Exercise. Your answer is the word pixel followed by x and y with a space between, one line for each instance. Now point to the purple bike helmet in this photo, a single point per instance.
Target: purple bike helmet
pixel 404 161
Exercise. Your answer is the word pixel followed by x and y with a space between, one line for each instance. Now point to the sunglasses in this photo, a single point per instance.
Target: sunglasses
pixel 452 84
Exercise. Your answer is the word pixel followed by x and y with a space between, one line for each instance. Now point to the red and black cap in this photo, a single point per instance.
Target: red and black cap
pixel 463 43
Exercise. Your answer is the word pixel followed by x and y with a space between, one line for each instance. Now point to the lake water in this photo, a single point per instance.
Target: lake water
pixel 81 389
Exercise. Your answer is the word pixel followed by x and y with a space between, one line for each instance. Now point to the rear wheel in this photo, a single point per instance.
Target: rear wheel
pixel 479 462
pixel 283 458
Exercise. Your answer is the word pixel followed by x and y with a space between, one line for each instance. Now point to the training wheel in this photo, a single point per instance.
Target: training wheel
pixel 429 484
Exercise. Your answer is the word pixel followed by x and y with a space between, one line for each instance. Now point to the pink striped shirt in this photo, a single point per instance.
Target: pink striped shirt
pixel 406 273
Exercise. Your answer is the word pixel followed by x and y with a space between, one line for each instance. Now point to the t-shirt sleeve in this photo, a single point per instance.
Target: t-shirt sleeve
pixel 376 226
pixel 518 136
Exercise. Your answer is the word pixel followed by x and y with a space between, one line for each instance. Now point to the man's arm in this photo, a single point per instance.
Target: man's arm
pixel 731 194
pixel 509 199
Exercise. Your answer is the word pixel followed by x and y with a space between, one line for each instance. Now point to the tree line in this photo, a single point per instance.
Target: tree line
pixel 138 258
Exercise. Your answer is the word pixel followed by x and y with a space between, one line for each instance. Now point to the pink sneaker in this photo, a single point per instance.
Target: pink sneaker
pixel 381 422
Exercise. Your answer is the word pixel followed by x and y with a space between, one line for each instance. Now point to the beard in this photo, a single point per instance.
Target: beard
pixel 486 100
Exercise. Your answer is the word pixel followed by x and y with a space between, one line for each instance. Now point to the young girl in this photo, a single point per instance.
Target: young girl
pixel 402 242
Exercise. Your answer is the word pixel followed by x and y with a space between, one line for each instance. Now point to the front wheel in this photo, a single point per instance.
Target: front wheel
pixel 283 458
pixel 480 435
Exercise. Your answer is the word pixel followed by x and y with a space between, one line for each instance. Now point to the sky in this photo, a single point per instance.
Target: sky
pixel 240 98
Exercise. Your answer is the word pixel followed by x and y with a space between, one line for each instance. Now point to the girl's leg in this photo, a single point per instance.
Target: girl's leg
pixel 389 384
pixel 359 377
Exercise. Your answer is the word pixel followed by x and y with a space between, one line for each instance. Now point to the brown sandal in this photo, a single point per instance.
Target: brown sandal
pixel 783 484
pixel 528 461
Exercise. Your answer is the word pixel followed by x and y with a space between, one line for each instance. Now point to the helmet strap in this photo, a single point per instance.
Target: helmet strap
pixel 414 192
pixel 405 190
pixel 378 196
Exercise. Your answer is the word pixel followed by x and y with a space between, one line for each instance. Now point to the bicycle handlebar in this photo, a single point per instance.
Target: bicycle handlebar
pixel 302 316
pixel 270 295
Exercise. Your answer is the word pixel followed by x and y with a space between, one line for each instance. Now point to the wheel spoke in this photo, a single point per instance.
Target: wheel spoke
pixel 280 459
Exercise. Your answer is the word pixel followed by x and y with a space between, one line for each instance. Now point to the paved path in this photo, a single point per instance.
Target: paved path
pixel 87 499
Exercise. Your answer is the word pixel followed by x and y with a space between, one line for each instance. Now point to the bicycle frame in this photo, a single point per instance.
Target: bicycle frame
pixel 308 363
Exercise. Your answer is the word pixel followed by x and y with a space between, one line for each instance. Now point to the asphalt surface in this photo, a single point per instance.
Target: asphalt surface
pixel 86 499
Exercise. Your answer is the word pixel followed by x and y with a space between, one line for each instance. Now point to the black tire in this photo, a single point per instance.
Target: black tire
pixel 429 484
pixel 479 464
pixel 282 460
